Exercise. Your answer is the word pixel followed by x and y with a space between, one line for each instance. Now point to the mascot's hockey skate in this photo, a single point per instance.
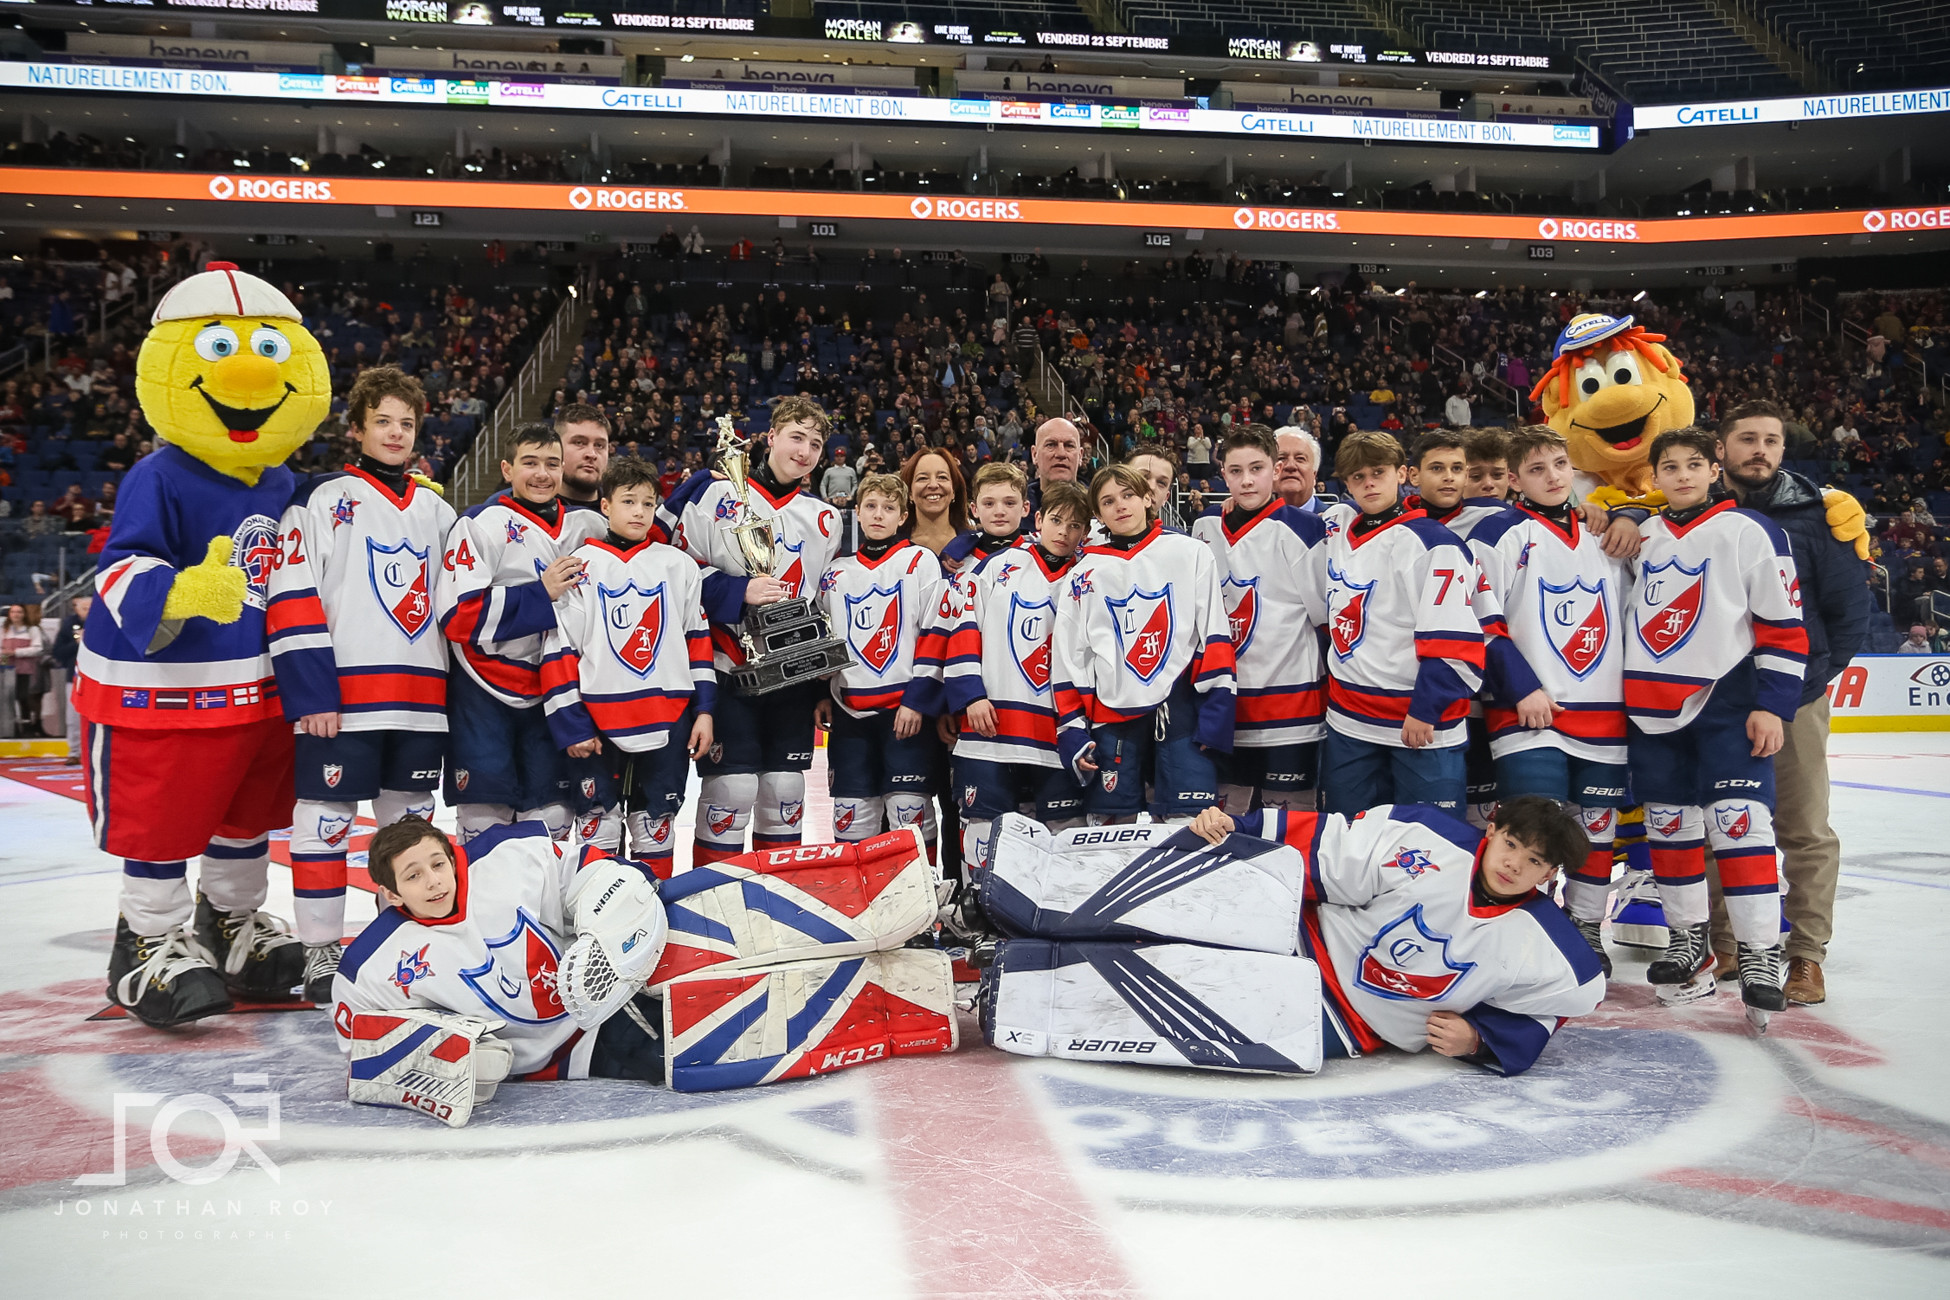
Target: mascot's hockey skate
pixel 1638 919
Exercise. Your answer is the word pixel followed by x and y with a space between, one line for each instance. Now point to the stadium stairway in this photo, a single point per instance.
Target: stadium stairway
pixel 529 398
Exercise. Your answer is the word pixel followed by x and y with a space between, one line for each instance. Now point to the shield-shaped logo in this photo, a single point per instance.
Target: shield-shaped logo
pixel 1577 622
pixel 1347 610
pixel 1143 621
pixel 517 981
pixel 719 820
pixel 1597 820
pixel 591 822
pixel 634 620
pixel 399 581
pixel 334 773
pixel 461 775
pixel 843 814
pixel 589 787
pixel 968 796
pixel 1664 821
pixel 794 574
pixel 1734 822
pixel 1669 605
pixel 1031 623
pixel 873 626
pixel 1408 962
pixel 791 810
pixel 1108 778
pixel 1242 609
pixel 659 829
pixel 334 830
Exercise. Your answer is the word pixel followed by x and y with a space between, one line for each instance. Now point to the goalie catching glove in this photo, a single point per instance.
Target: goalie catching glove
pixel 435 1062
pixel 620 933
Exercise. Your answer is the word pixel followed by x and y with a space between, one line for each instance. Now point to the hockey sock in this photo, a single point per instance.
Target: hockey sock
pixel 1675 834
pixel 391 805
pixel 781 807
pixel 155 895
pixel 600 828
pixel 1480 815
pixel 931 832
pixel 1742 834
pixel 470 819
pixel 1236 800
pixel 907 810
pixel 653 842
pixel 234 871
pixel 857 819
pixel 974 845
pixel 1286 800
pixel 1587 884
pixel 320 833
pixel 555 816
pixel 724 807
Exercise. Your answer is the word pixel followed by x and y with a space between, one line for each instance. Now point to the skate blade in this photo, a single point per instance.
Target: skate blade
pixel 1758 1018
pixel 1697 989
pixel 116 1011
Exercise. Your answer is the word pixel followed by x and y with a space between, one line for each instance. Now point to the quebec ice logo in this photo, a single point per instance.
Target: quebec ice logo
pixel 1143 621
pixel 1577 622
pixel 1030 625
pixel 399 580
pixel 256 549
pixel 633 619
pixel 873 627
pixel 1669 607
pixel 1242 609
pixel 517 982
pixel 1406 961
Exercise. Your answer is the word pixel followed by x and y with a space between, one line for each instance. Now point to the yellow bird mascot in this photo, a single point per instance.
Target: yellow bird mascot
pixel 187 752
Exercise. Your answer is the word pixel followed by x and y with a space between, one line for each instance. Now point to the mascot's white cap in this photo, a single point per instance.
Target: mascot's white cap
pixel 223 290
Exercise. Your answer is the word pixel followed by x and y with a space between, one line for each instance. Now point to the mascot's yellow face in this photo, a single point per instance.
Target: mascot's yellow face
pixel 239 393
pixel 1612 389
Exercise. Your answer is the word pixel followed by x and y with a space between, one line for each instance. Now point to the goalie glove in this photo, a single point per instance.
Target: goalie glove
pixel 620 932
pixel 436 1062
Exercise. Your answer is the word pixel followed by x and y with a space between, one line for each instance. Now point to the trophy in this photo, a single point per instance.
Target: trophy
pixel 787 642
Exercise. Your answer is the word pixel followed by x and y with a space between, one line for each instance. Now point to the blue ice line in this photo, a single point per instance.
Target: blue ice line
pixel 72 875
pixel 1894 880
pixel 1892 789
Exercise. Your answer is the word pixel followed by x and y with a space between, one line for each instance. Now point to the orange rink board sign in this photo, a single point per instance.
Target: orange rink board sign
pixel 307 191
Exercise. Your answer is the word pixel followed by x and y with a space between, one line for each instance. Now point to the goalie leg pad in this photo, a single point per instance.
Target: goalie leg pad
pixel 780 904
pixel 620 932
pixel 436 1062
pixel 800 1018
pixel 1154 1004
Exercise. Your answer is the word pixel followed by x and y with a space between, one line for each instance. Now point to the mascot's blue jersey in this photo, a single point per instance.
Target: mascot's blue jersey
pixel 135 669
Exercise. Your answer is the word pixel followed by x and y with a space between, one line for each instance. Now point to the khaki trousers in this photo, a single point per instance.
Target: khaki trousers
pixel 1811 852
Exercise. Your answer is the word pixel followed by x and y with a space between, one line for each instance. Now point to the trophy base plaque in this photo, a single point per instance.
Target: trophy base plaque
pixel 788 643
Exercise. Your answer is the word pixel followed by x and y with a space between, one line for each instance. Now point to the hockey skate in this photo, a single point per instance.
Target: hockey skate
pixel 321 968
pixel 1761 984
pixel 1684 973
pixel 258 957
pixel 164 979
pixel 1594 935
pixel 1638 919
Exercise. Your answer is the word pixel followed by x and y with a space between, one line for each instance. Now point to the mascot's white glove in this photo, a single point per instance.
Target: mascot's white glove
pixel 620 934
pixel 436 1062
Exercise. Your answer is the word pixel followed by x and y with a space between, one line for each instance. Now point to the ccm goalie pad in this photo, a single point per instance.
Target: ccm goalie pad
pixel 1154 1004
pixel 435 1062
pixel 736 1028
pixel 824 900
pixel 1149 882
pixel 619 925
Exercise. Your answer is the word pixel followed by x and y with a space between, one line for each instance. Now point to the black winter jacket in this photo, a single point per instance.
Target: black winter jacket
pixel 1834 580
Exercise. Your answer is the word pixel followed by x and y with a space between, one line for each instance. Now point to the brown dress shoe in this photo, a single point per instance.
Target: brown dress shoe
pixel 1726 967
pixel 1805 987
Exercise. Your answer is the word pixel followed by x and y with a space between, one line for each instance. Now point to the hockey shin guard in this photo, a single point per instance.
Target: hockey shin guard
pixel 1676 835
pixel 1587 884
pixel 974 846
pixel 600 828
pixel 1237 800
pixel 1479 814
pixel 931 831
pixel 856 819
pixel 155 895
pixel 724 807
pixel 391 805
pixel 234 873
pixel 470 819
pixel 555 816
pixel 1741 832
pixel 1290 800
pixel 908 810
pixel 653 842
pixel 780 810
pixel 320 833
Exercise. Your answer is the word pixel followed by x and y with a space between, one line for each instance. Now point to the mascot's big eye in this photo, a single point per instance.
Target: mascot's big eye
pixel 1591 377
pixel 267 342
pixel 1623 367
pixel 215 342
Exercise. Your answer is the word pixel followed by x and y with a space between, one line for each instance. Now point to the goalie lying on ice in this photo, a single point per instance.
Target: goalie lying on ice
pixel 1269 941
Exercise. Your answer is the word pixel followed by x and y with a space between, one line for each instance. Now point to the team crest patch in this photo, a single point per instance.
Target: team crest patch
pixel 1081 586
pixel 1005 571
pixel 1577 622
pixel 257 548
pixel 719 820
pixel 659 828
pixel 829 580
pixel 794 576
pixel 1347 611
pixel 634 620
pixel 399 580
pixel 1242 609
pixel 843 814
pixel 517 982
pixel 342 512
pixel 1523 556
pixel 1108 779
pixel 334 773
pixel 968 796
pixel 516 532
pixel 1407 961
pixel 460 778
pixel 717 753
pixel 791 810
pixel 1669 605
pixel 1144 624
pixel 410 967
pixel 1664 821
pixel 334 830
pixel 873 626
pixel 1734 823
pixel 1414 862
pixel 726 510
pixel 591 823
pixel 1031 623
pixel 1597 820
pixel 589 787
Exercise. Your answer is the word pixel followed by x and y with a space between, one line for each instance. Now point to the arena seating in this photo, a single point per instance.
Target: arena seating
pixel 1867 44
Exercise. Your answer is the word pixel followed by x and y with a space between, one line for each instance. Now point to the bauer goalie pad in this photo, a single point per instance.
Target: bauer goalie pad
pixel 1149 882
pixel 824 900
pixel 1154 1004
pixel 735 1029
pixel 619 926
pixel 436 1062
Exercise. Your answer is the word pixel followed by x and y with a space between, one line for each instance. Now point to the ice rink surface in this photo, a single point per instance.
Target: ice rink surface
pixel 1651 1151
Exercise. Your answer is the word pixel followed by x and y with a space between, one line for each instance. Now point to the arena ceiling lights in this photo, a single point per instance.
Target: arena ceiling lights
pixel 940 210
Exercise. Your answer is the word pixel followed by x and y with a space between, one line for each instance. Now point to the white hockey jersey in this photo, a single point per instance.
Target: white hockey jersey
pixel 1133 621
pixel 1403 635
pixel 881 607
pixel 1263 577
pixel 352 612
pixel 991 640
pixel 631 649
pixel 697 520
pixel 1711 594
pixel 494 956
pixel 493 606
pixel 1563 602
pixel 1390 919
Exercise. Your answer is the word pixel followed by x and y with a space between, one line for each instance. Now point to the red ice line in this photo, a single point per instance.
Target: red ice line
pixel 1901 1143
pixel 1814 1198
